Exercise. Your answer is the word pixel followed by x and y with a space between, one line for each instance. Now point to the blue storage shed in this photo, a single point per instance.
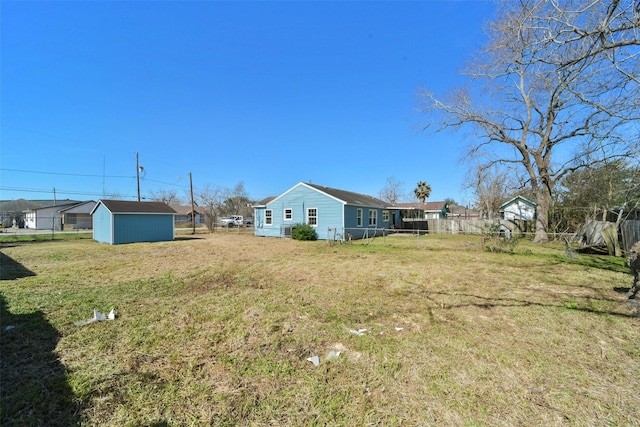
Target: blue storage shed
pixel 335 214
pixel 119 221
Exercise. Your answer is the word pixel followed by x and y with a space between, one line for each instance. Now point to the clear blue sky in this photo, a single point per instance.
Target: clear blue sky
pixel 267 93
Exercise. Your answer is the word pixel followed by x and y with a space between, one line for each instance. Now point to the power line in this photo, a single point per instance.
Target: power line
pixel 66 174
pixel 58 191
pixel 165 183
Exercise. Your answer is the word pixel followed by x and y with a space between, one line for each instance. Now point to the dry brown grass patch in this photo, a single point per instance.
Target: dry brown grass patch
pixel 217 329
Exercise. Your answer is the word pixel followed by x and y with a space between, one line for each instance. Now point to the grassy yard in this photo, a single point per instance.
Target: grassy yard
pixel 216 330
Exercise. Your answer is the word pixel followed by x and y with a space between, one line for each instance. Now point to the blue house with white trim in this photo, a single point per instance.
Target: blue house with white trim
pixel 119 221
pixel 335 214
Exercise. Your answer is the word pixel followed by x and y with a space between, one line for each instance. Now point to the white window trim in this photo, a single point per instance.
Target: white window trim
pixel 385 216
pixel 316 224
pixel 284 214
pixel 265 217
pixel 359 217
pixel 373 214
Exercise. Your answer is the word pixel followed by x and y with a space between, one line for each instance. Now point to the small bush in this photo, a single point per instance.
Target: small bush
pixel 303 232
pixel 495 241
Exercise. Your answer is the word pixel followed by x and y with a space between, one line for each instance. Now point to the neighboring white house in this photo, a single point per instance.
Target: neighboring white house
pixel 518 208
pixel 77 216
pixel 47 218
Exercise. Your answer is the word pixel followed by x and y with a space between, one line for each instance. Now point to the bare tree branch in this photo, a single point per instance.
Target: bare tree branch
pixel 555 89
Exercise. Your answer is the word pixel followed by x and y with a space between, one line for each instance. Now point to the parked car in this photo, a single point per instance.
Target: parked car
pixel 248 221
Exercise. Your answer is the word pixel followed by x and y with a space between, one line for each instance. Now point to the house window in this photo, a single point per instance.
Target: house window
pixel 268 217
pixel 385 216
pixel 373 217
pixel 312 217
pixel 288 214
pixel 359 218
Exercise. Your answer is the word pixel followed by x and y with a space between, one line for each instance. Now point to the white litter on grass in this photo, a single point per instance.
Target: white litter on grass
pixel 315 360
pixel 333 355
pixel 399 328
pixel 97 317
pixel 358 332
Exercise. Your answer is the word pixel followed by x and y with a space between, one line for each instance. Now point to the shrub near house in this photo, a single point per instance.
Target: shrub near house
pixel 303 232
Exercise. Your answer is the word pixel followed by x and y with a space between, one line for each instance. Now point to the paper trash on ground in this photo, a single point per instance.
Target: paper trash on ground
pixel 315 360
pixel 97 317
pixel 358 332
pixel 333 355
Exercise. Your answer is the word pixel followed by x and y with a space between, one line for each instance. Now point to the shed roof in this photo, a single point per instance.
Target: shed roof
pixel 125 206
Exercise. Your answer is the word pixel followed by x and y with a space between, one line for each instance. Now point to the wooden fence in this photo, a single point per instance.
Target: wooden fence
pixel 460 226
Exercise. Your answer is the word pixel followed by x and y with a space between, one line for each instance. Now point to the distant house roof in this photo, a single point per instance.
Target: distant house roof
pixel 186 210
pixel 426 206
pixel 515 199
pixel 82 206
pixel 264 201
pixel 21 205
pixel 462 211
pixel 57 206
pixel 125 206
pixel 452 209
pixel 18 205
pixel 349 197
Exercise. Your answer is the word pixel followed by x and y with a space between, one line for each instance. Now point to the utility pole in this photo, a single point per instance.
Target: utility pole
pixel 193 213
pixel 138 169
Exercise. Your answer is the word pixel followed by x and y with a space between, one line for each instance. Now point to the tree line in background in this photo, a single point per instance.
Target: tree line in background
pixel 217 201
pixel 608 192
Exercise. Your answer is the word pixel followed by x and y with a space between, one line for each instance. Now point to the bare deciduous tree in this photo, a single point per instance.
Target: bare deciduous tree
pixel 236 201
pixel 221 201
pixel 555 89
pixel 211 198
pixel 393 192
pixel 490 186
pixel 168 197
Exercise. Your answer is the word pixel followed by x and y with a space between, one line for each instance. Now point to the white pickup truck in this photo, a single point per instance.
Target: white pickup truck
pixel 235 221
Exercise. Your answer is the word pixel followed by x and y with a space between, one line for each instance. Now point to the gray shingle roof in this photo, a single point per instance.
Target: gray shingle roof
pixel 351 198
pixel 125 206
pixel 186 210
pixel 21 205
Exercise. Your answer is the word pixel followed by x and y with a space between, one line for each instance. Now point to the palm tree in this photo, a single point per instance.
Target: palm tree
pixel 422 191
